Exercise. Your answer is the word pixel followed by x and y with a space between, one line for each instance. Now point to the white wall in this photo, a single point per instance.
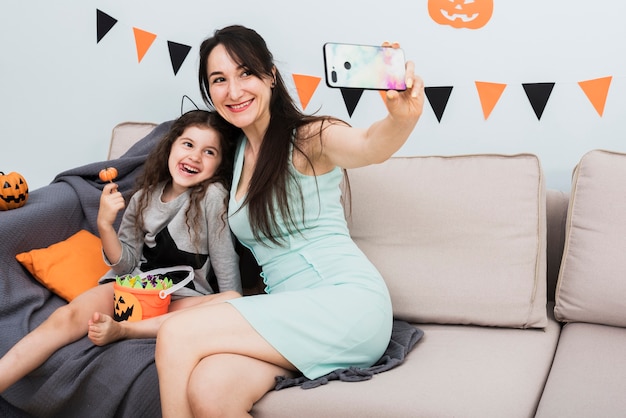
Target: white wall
pixel 62 93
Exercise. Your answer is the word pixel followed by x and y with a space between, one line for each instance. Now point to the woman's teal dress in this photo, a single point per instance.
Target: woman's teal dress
pixel 326 307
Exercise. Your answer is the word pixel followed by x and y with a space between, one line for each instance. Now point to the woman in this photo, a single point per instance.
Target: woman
pixel 326 305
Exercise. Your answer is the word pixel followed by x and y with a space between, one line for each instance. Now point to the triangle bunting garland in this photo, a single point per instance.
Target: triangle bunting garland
pixel 489 93
pixel 178 53
pixel 351 98
pixel 104 24
pixel 597 91
pixel 143 41
pixel 305 86
pixel 438 98
pixel 538 95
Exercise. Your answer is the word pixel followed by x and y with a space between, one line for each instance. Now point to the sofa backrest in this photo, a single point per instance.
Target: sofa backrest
pixel 125 134
pixel 459 240
pixel 592 280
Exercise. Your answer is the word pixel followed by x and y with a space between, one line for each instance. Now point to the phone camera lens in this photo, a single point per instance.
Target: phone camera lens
pixel 347 65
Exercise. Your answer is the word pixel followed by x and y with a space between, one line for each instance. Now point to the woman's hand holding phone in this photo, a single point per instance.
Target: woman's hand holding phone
pixel 367 67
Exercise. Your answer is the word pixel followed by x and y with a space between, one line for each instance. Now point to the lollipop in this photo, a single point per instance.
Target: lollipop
pixel 108 174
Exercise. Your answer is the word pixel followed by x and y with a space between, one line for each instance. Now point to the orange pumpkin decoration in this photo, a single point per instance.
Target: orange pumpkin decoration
pixel 108 174
pixel 13 191
pixel 469 14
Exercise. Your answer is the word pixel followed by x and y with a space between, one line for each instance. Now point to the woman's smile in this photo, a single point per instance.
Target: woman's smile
pixel 240 107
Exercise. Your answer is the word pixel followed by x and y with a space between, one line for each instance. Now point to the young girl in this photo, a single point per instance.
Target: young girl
pixel 177 217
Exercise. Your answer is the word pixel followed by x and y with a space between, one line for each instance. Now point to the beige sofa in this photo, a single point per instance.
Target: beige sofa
pixel 521 294
pixel 520 291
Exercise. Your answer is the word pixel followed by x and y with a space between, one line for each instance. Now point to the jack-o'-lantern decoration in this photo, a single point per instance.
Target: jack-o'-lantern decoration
pixel 126 306
pixel 13 191
pixel 469 14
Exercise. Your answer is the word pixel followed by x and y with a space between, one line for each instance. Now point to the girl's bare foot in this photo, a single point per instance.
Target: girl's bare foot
pixel 104 330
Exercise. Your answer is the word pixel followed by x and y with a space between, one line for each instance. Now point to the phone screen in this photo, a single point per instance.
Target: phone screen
pixel 364 66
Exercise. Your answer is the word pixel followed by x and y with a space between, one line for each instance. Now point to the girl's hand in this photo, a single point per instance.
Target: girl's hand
pixel 111 202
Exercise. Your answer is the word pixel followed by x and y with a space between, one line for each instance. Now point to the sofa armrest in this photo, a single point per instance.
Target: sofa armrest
pixel 51 214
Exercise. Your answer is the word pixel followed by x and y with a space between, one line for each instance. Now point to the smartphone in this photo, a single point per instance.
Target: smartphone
pixel 364 66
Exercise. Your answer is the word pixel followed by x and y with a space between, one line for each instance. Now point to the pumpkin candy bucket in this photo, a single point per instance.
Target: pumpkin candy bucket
pixel 146 295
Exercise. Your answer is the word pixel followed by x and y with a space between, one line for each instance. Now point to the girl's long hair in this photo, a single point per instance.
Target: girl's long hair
pixel 156 171
pixel 268 193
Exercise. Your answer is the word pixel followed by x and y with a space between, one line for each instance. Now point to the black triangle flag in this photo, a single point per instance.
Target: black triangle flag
pixel 538 95
pixel 438 98
pixel 178 53
pixel 104 24
pixel 351 98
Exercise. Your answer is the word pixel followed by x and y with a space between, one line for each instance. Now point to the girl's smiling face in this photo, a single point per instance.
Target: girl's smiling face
pixel 240 97
pixel 194 157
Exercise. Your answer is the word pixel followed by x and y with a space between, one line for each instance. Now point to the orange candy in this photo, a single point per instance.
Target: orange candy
pixel 108 174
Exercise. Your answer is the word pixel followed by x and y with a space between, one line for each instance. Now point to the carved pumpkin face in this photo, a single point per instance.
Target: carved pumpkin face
pixel 470 14
pixel 131 304
pixel 127 307
pixel 13 191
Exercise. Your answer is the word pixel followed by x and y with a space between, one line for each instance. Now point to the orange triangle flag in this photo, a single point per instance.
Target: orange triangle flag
pixel 596 91
pixel 305 86
pixel 143 41
pixel 489 94
pixel 383 94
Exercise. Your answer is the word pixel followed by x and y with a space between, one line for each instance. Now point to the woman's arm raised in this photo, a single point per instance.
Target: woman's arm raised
pixel 349 147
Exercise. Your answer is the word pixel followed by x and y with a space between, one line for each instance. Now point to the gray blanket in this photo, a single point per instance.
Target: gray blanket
pixel 88 187
pixel 80 380
pixel 404 336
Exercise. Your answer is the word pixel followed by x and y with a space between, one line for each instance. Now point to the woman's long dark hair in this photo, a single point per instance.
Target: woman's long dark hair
pixel 268 193
pixel 156 170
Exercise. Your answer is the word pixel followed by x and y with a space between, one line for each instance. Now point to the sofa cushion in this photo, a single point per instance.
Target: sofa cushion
pixel 453 371
pixel 587 377
pixel 459 240
pixel 592 284
pixel 67 268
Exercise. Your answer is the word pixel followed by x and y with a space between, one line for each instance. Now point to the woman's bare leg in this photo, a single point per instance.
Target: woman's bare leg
pixel 103 329
pixel 228 385
pixel 67 324
pixel 190 336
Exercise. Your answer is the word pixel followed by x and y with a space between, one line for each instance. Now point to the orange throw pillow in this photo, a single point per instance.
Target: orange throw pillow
pixel 69 267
